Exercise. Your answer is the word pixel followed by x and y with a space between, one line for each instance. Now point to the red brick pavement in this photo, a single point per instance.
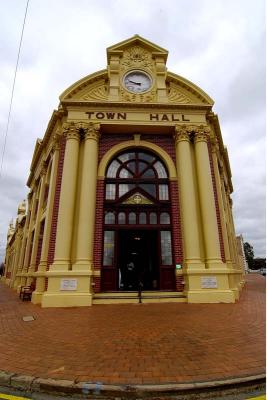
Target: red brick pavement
pixel 148 343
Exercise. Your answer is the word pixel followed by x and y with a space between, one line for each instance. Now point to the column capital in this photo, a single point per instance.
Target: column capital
pixel 92 131
pixel 56 140
pixel 43 168
pixel 71 130
pixel 202 133
pixel 181 134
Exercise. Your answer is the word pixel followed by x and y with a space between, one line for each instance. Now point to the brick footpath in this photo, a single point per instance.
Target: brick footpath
pixel 136 344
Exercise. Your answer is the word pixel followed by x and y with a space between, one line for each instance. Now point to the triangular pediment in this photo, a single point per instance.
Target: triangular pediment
pixel 137 41
pixel 137 198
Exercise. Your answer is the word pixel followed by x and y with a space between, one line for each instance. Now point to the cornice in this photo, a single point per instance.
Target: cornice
pixel 41 144
pixel 190 86
pixel 165 106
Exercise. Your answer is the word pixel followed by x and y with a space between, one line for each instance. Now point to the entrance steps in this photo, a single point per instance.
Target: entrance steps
pixel 132 297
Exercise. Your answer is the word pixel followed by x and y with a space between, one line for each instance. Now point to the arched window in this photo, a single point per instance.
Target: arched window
pixel 136 170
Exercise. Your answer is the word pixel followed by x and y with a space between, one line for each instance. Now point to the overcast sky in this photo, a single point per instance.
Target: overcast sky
pixel 217 44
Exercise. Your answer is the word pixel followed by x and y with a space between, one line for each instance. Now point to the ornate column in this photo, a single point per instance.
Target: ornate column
pixel 26 261
pixel 67 199
pixel 188 197
pixel 206 195
pixel 38 218
pixel 215 151
pixel 86 217
pixel 23 245
pixel 17 256
pixel 40 281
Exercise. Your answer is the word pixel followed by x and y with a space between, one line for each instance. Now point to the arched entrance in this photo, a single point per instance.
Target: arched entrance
pixel 137 224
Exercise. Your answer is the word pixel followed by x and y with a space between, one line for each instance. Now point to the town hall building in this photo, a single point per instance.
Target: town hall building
pixel 130 193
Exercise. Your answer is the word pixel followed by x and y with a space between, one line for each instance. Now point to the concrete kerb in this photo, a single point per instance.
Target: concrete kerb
pixel 57 386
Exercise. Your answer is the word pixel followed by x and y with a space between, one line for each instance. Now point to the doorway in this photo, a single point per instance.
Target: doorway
pixel 137 260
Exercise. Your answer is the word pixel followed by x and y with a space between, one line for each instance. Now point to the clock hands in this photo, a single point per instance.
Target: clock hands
pixel 136 83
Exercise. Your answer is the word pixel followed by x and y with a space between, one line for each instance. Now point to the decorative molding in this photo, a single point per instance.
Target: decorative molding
pixel 98 91
pixel 71 130
pixel 137 198
pixel 92 131
pixel 43 170
pixel 202 134
pixel 176 96
pixel 181 134
pixel 138 97
pixel 56 140
pixel 137 57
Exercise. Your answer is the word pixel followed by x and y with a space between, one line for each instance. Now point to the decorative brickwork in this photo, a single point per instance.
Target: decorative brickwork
pixel 166 142
pixel 52 241
pixel 176 231
pixel 108 140
pixel 98 231
pixel 216 204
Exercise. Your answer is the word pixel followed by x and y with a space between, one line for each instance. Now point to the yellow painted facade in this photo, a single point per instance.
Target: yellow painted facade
pixel 67 167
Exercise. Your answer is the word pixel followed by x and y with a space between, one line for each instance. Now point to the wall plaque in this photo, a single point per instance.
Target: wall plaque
pixel 68 284
pixel 208 282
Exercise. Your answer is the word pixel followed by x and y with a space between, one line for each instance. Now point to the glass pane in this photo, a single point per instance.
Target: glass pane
pixel 142 218
pixel 112 169
pixel 166 247
pixel 149 188
pixel 164 218
pixel 126 156
pixel 121 218
pixel 141 166
pixel 132 218
pixel 160 170
pixel 153 218
pixel 146 157
pixel 125 188
pixel 132 166
pixel 124 173
pixel 109 247
pixel 110 218
pixel 163 192
pixel 149 173
pixel 110 191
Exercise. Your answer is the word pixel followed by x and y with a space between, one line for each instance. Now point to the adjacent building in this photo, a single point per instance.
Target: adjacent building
pixel 129 192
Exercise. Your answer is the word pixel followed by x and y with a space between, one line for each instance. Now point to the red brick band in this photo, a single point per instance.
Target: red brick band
pixel 52 240
pixel 216 203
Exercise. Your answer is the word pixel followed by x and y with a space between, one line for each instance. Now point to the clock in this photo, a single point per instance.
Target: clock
pixel 137 81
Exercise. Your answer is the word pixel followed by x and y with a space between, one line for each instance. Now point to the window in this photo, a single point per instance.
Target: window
pixel 153 218
pixel 142 218
pixel 166 247
pixel 164 218
pixel 121 218
pixel 113 168
pixel 163 192
pixel 110 218
pixel 132 218
pixel 110 191
pixel 109 247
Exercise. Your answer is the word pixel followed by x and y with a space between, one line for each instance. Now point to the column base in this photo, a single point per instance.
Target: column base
pixel 60 266
pixel 82 266
pixel 210 296
pixel 68 289
pixel 37 297
pixel 66 299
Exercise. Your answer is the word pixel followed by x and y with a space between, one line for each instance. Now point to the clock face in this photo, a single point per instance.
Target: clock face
pixel 137 81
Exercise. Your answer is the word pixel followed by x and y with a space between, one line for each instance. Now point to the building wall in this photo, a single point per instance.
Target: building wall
pixel 59 246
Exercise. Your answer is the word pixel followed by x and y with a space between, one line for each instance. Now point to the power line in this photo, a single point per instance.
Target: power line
pixel 13 87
